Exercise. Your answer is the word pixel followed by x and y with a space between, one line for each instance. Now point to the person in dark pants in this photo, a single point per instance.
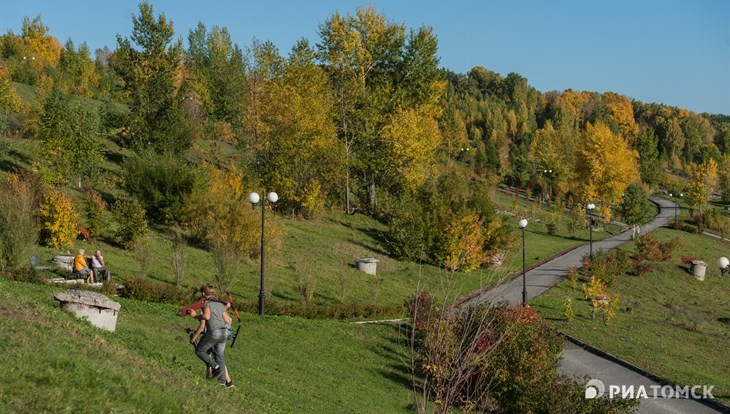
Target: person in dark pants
pixel 216 332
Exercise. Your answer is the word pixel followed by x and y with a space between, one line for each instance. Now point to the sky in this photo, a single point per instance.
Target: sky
pixel 675 52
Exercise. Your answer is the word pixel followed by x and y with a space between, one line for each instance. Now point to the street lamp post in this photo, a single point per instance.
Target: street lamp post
pixel 723 264
pixel 254 199
pixel 523 223
pixel 590 208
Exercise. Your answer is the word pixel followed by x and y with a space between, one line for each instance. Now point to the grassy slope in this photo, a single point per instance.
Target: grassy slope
pixel 668 322
pixel 324 249
pixel 279 364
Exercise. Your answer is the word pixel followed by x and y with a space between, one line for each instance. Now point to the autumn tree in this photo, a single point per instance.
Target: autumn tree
pixel 379 73
pixel 605 165
pixel 702 183
pixel 9 102
pixel 58 220
pixel 77 73
pixel 218 214
pixel 553 150
pixel 148 62
pixel 618 113
pixel 453 132
pixel 297 147
pixel 265 64
pixel 31 52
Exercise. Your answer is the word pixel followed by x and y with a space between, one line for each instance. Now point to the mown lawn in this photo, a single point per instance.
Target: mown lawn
pixel 53 362
pixel 669 323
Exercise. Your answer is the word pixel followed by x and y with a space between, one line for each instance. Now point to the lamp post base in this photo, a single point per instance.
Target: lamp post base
pixel 262 301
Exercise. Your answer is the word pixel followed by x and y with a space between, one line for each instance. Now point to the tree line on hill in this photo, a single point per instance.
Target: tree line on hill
pixel 363 120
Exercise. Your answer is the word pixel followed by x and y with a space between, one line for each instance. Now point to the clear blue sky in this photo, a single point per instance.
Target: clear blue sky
pixel 669 51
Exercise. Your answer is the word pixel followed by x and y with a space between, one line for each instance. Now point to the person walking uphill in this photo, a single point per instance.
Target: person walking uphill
pixel 215 334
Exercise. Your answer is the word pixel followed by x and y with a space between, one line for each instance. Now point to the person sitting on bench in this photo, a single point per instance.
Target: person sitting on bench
pixel 82 268
pixel 97 265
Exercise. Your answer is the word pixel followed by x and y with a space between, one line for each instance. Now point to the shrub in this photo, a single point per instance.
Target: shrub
pixel 568 311
pixel 572 275
pixel 58 220
pixel 160 183
pixel 409 229
pixel 469 359
pixel 717 221
pixel 601 300
pixel 649 247
pixel 141 288
pixel 641 266
pixel 420 309
pixel 682 226
pixel 130 220
pixel 18 228
pixel 312 200
pixel 606 265
pixel 219 215
pixel 334 311
pixel 95 214
pixel 462 244
pixel 688 258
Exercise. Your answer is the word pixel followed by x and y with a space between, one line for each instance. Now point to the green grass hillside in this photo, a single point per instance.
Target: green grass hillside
pixel 53 362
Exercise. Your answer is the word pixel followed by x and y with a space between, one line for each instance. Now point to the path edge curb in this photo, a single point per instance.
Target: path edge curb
pixel 713 403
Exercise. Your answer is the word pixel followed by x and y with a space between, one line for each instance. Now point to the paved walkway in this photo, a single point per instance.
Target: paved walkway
pixel 575 360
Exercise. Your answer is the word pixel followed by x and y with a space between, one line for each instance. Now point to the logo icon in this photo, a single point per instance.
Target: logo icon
pixel 595 389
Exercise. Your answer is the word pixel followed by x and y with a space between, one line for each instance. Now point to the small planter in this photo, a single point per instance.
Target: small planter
pixel 698 269
pixel 368 265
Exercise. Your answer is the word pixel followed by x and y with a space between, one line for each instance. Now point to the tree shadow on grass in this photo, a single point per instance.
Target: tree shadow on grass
pixel 15 162
pixel 396 353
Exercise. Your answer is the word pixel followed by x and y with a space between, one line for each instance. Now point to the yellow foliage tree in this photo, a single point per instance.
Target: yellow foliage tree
pixel 34 51
pixel 298 146
pixel 463 244
pixel 412 138
pixel 578 105
pixel 554 150
pixel 58 219
pixel 605 165
pixel 621 112
pixel 703 181
pixel 601 299
pixel 219 214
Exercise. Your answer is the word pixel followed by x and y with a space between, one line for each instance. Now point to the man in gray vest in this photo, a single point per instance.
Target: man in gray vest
pixel 216 331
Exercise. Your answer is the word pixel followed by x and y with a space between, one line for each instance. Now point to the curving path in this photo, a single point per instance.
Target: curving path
pixel 577 361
